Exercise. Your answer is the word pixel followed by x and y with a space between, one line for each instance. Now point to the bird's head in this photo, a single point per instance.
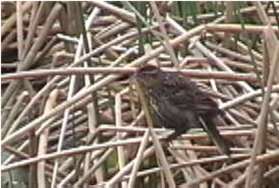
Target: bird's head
pixel 148 76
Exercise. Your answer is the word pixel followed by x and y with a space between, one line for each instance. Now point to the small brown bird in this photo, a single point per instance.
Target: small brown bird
pixel 177 103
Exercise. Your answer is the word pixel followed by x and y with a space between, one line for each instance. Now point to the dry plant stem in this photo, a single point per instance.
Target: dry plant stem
pixel 258 146
pixel 265 158
pixel 220 63
pixel 46 49
pixel 271 40
pixel 64 181
pixel 162 158
pixel 144 104
pixel 124 56
pixel 6 110
pixel 34 18
pixel 138 159
pixel 28 60
pixel 236 28
pixel 262 14
pixel 228 133
pixel 67 165
pixel 229 17
pixel 199 170
pixel 274 171
pixel 99 84
pixel 24 155
pixel 245 97
pixel 92 106
pixel 11 21
pixel 239 114
pixel 181 156
pixel 115 41
pixel 118 70
pixel 113 26
pixel 156 34
pixel 133 103
pixel 60 142
pixel 67 38
pixel 208 160
pixel 43 139
pixel 121 13
pixel 30 89
pixel 245 10
pixel 213 85
pixel 266 62
pixel 71 93
pixel 66 115
pixel 32 151
pixel 20 149
pixel 66 178
pixel 169 48
pixel 117 28
pixel 237 182
pixel 118 123
pixel 117 178
pixel 13 113
pixel 244 108
pixel 33 101
pixel 19 27
pixel 274 115
pixel 38 132
pixel 7 40
pixel 215 180
pixel 70 152
pixel 241 47
pixel 50 84
pixel 232 54
pixel 110 52
pixel 7 66
pixel 17 152
pixel 208 53
pixel 207 148
pixel 244 67
pixel 97 164
pixel 104 154
pixel 105 21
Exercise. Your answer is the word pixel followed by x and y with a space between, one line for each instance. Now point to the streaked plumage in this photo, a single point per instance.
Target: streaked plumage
pixel 177 103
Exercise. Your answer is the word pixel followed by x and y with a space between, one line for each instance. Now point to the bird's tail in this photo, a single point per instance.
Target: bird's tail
pixel 209 126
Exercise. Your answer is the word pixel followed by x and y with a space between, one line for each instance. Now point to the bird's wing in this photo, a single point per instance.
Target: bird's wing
pixel 186 95
pixel 171 116
pixel 205 105
pixel 178 91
